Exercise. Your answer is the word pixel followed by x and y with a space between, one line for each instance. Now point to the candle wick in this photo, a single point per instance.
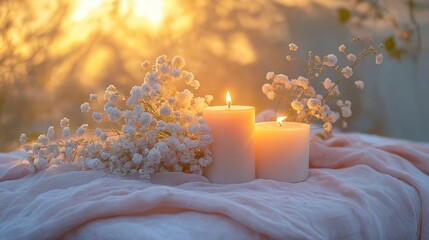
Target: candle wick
pixel 229 104
pixel 280 124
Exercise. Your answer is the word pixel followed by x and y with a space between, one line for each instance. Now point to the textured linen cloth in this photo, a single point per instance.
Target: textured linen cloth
pixel 360 187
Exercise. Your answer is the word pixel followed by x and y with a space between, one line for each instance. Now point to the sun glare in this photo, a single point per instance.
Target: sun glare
pixel 84 8
pixel 152 10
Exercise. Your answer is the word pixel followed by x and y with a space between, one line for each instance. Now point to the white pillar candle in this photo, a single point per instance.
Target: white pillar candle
pixel 282 151
pixel 232 149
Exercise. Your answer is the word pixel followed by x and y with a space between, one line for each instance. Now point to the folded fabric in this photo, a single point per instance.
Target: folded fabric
pixel 358 189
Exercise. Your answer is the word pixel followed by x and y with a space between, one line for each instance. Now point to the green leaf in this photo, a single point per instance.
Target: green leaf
pixel 389 43
pixel 344 15
pixel 392 49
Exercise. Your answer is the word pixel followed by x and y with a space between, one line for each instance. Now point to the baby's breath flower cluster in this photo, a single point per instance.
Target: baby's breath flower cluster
pixel 304 103
pixel 156 128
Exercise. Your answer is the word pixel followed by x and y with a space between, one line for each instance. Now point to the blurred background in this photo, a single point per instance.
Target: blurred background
pixel 54 53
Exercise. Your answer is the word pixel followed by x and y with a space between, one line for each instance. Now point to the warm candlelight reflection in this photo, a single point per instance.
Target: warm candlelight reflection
pixel 228 99
pixel 280 119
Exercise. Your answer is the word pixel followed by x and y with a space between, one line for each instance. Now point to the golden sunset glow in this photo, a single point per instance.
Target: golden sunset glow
pixel 152 10
pixel 84 8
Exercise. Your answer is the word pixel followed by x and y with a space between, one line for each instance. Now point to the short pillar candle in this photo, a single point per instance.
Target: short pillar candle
pixel 282 151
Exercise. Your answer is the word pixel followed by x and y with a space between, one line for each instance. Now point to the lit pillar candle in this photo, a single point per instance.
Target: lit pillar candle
pixel 282 150
pixel 232 150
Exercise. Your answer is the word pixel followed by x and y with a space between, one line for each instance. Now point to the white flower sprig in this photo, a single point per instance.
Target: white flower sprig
pixel 304 103
pixel 156 128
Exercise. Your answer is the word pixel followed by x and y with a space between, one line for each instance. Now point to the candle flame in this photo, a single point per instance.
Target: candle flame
pixel 280 119
pixel 228 99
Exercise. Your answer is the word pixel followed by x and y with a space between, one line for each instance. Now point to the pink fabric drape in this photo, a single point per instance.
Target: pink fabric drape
pixel 357 189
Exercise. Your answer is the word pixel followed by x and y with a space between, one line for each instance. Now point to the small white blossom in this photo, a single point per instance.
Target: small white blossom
pixel 94 163
pixel 359 84
pixel 165 111
pixel 195 84
pixel 196 169
pixel 204 162
pixel 268 90
pixel 100 134
pixel 330 60
pixel 342 48
pixel 297 106
pixel 347 103
pixel 154 156
pixel 84 107
pixel 68 151
pixel 171 100
pixel 293 47
pixel 137 158
pixel 53 148
pixel 327 83
pixel 346 111
pixel 189 78
pixel 209 98
pixel 351 57
pixel 178 62
pixel 43 139
pixel 35 148
pixel 136 94
pixel 81 130
pixel 23 138
pixel 327 127
pixel 185 97
pixel 144 64
pixel 281 79
pixel 64 122
pixel 66 132
pixel 176 73
pixel 96 116
pixel 113 113
pixel 172 128
pixel 110 91
pixel 270 75
pixel 51 132
pixel 333 116
pixel 313 103
pixel 347 72
pixel 379 59
pixel 302 82
pixel 93 97
pixel 165 69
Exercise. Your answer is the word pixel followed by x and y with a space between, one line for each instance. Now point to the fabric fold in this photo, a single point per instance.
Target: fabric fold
pixel 357 189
